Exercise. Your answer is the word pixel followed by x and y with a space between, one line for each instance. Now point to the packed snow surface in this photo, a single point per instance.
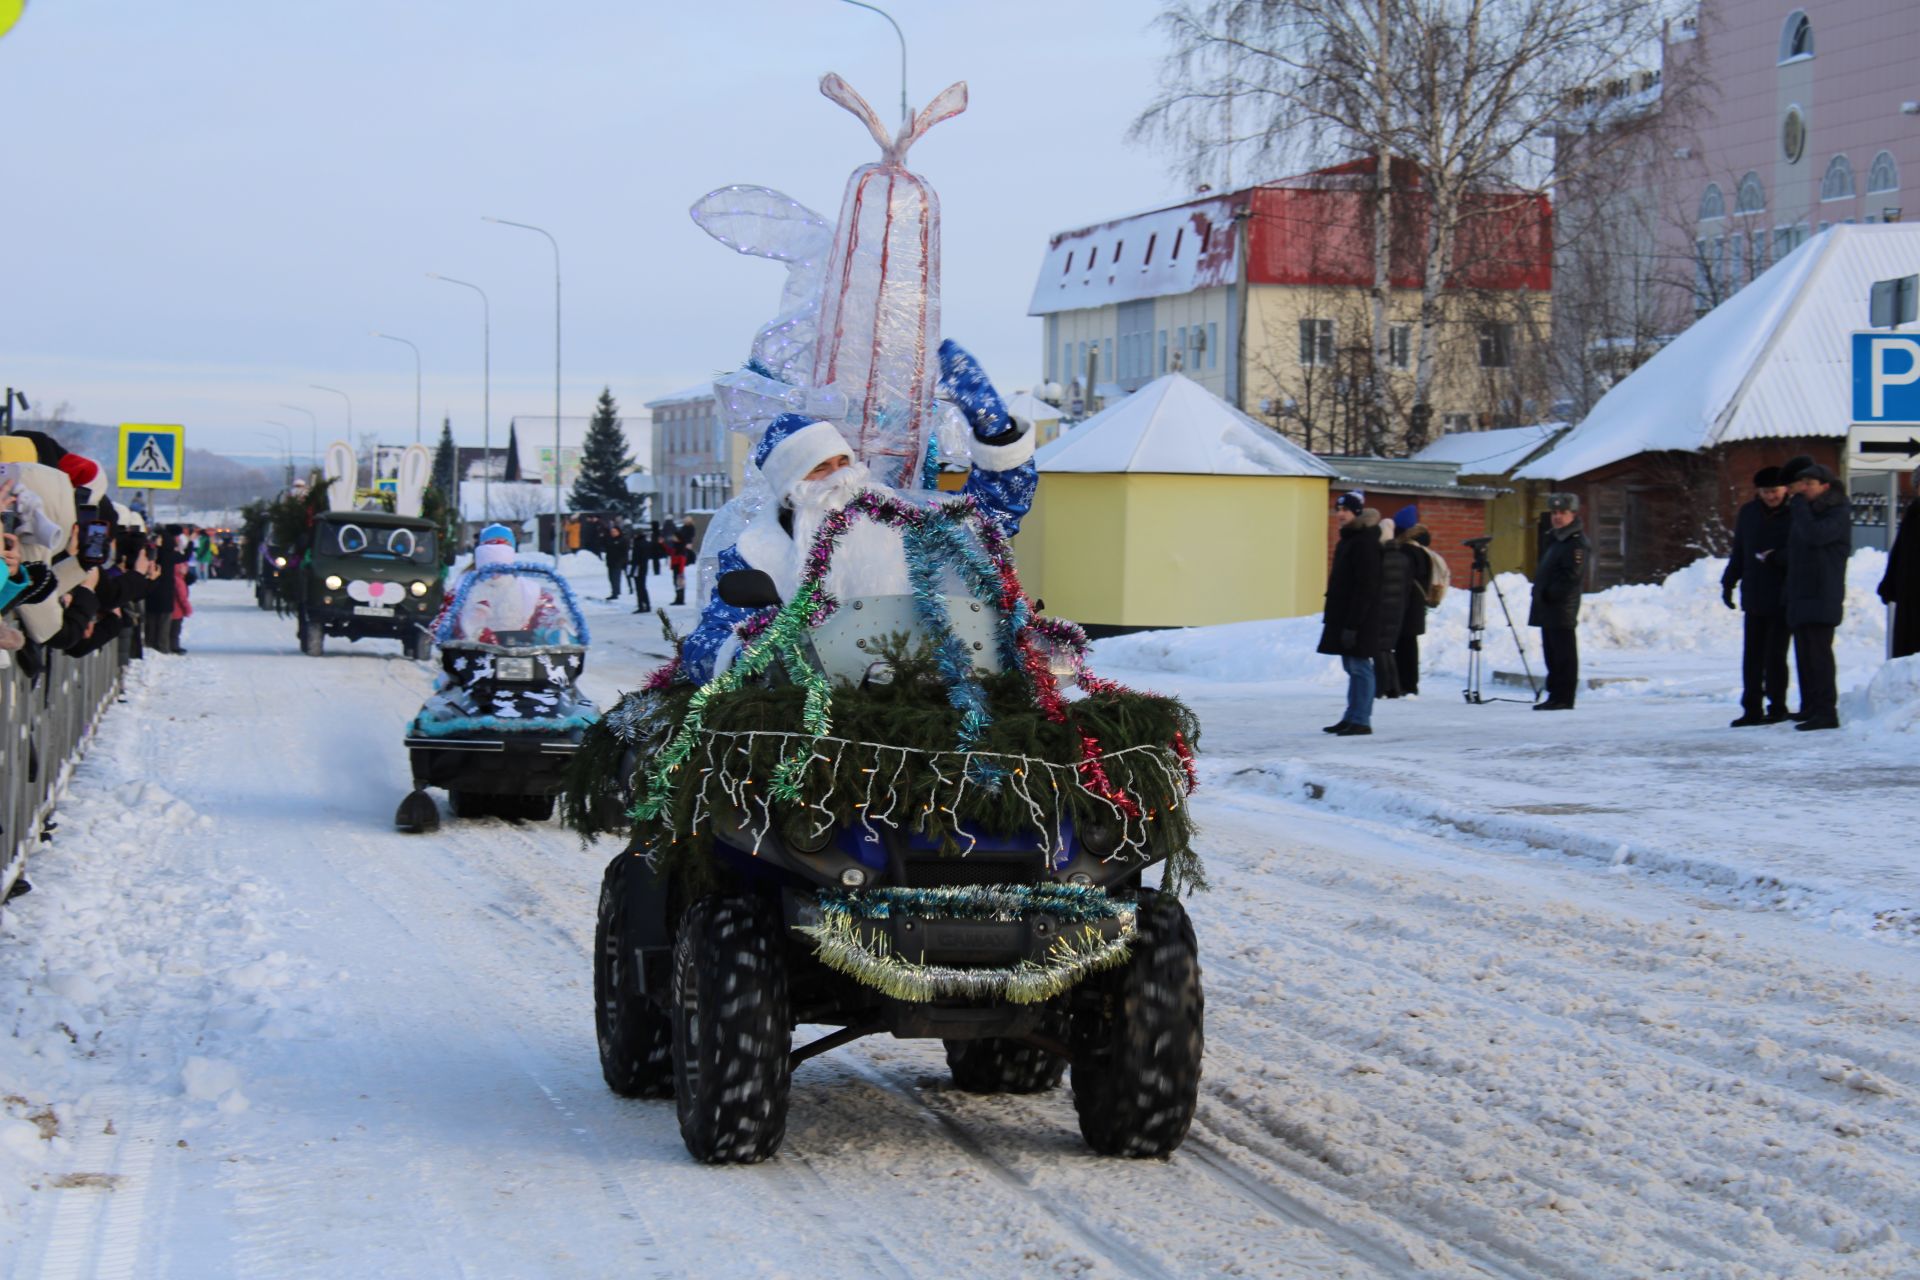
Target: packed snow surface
pixel 1615 993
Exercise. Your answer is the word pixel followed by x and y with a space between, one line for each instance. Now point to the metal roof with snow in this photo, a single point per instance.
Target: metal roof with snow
pixel 1175 426
pixel 1491 453
pixel 1028 407
pixel 1772 361
pixel 1175 250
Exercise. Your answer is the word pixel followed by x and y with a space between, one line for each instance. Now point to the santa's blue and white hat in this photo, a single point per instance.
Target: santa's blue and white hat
pixel 498 533
pixel 794 445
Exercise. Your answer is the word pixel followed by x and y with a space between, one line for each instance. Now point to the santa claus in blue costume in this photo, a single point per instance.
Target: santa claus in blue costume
pixel 811 471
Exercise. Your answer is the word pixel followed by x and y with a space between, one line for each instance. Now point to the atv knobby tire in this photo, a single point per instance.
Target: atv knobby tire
pixel 731 1031
pixel 636 1035
pixel 313 639
pixel 1136 1064
pixel 999 1065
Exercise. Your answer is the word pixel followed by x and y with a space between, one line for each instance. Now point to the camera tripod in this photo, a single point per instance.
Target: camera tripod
pixel 1479 578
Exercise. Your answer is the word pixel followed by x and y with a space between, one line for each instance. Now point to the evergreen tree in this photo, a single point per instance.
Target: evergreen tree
pixel 444 461
pixel 604 464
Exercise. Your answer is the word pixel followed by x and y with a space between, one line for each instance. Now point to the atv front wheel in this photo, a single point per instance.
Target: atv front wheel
pixel 313 639
pixel 1136 1063
pixel 731 1031
pixel 420 648
pixel 636 1036
pixel 999 1065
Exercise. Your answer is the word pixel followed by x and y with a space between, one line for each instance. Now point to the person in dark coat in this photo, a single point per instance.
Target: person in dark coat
pixel 1900 585
pixel 1414 541
pixel 1558 582
pixel 1348 630
pixel 159 600
pixel 614 548
pixel 1757 565
pixel 1394 576
pixel 1819 540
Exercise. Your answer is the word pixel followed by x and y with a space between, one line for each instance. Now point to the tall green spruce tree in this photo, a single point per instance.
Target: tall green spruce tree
pixel 444 459
pixel 604 464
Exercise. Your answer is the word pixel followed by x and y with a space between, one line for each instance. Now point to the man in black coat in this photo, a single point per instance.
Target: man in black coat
pixel 1348 631
pixel 1394 574
pixel 1757 564
pixel 1558 582
pixel 1900 585
pixel 614 548
pixel 1819 540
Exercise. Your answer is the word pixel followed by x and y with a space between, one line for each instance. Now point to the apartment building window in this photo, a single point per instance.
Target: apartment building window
pixel 1496 345
pixel 1712 203
pixel 1400 346
pixel 1751 197
pixel 1196 346
pixel 1180 347
pixel 1080 370
pixel 1837 184
pixel 1213 343
pixel 1163 351
pixel 1884 175
pixel 1316 342
pixel 1134 320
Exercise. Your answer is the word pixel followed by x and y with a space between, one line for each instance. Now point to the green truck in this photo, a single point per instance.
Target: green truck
pixel 368 574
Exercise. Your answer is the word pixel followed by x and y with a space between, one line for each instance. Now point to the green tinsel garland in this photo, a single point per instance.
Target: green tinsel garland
pixel 1078 951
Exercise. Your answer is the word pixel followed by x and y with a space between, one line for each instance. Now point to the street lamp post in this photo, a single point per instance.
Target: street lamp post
pixel 313 428
pixel 905 114
pixel 349 399
pixel 287 444
pixel 527 226
pixel 486 397
pixel 416 380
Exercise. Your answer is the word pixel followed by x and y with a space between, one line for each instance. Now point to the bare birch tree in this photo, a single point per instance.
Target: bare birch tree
pixel 1473 94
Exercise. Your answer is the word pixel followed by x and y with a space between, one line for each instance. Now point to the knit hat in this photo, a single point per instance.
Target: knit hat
pixel 17 449
pixel 82 472
pixel 498 533
pixel 1407 516
pixel 1352 500
pixel 1767 478
pixel 794 445
pixel 1790 469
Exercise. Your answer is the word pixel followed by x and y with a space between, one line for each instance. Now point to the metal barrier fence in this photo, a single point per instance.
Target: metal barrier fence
pixel 44 724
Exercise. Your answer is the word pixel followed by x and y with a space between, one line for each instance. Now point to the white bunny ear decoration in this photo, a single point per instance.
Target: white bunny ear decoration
pixel 343 476
pixel 948 103
pixel 838 90
pixel 416 469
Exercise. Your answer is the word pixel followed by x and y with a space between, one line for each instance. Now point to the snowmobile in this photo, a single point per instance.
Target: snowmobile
pixel 368 574
pixel 1026 953
pixel 506 714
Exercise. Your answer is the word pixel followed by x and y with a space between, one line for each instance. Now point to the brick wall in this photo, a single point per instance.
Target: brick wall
pixel 1451 521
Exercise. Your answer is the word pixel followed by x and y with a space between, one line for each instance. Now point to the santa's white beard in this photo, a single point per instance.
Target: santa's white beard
pixel 871 559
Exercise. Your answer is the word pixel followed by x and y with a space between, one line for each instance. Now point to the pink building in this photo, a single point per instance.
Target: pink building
pixel 1761 124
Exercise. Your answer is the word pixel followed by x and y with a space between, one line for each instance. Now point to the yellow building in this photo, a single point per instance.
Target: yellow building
pixel 1172 508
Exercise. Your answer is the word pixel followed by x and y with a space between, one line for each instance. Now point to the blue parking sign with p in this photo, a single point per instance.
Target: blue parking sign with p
pixel 1886 377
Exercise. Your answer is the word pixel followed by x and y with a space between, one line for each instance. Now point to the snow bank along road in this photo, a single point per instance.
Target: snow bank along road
pixel 254 1032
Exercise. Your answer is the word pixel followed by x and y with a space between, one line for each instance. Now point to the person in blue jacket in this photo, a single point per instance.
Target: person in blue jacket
pixel 812 472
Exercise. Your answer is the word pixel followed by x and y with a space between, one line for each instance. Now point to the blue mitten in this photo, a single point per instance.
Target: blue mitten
pixel 966 384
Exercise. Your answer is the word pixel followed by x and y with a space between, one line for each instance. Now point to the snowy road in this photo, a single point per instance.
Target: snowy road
pixel 254 1032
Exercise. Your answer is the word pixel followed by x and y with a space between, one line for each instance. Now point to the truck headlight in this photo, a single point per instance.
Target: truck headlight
pixel 279 562
pixel 418 588
pixel 334 582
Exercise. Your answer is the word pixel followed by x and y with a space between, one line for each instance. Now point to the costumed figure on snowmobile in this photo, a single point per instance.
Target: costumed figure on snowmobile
pixel 506 713
pixel 863 793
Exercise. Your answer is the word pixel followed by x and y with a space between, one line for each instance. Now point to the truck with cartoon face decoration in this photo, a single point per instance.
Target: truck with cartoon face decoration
pixel 368 575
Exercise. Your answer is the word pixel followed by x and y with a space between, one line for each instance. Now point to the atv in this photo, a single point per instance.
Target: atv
pixel 1029 949
pixel 507 714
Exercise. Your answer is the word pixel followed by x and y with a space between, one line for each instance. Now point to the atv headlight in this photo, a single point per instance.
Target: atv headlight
pixel 513 669
pixel 334 582
pixel 418 588
pixel 805 831
pixel 1099 836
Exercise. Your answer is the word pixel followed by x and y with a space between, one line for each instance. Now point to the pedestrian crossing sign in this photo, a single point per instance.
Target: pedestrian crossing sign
pixel 150 455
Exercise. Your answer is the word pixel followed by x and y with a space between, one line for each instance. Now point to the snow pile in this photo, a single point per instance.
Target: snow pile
pixel 1891 701
pixel 1682 614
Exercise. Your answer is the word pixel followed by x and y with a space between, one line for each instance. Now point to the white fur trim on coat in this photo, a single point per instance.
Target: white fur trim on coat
pixel 1002 457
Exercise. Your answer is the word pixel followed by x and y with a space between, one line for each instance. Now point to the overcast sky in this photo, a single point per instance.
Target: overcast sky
pixel 208 204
